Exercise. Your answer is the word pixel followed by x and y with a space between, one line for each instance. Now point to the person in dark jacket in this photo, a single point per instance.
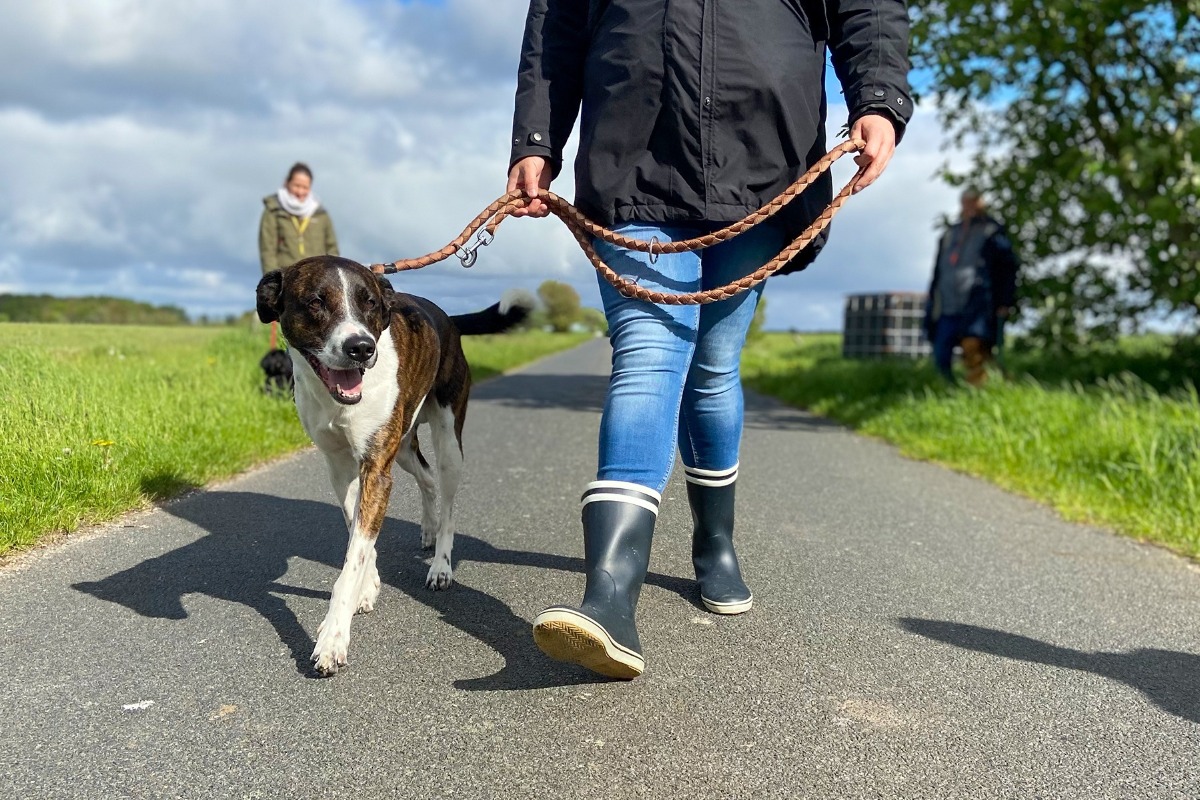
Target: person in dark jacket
pixel 972 291
pixel 691 116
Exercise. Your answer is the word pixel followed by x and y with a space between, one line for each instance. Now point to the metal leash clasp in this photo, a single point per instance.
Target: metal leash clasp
pixel 469 254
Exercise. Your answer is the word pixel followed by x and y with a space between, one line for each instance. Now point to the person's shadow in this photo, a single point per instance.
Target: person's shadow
pixel 250 538
pixel 1169 678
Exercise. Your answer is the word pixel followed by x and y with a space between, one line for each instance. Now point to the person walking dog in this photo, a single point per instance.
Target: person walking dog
pixel 691 116
pixel 972 291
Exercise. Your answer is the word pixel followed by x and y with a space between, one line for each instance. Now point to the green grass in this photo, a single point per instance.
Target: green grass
pixel 1112 438
pixel 100 420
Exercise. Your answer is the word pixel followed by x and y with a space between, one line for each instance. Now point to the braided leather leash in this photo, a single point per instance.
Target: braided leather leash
pixel 584 229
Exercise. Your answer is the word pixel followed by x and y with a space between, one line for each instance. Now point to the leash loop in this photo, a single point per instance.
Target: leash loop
pixel 586 231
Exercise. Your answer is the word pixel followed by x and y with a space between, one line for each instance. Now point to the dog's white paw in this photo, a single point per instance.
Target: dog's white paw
pixel 330 652
pixel 428 536
pixel 370 593
pixel 440 574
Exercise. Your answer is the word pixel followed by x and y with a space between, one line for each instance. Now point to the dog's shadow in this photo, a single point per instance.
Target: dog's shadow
pixel 243 563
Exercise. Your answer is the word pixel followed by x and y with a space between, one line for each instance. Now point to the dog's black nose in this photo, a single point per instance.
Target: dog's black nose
pixel 359 348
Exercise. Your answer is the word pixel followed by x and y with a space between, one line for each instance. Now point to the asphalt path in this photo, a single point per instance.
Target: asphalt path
pixel 916 634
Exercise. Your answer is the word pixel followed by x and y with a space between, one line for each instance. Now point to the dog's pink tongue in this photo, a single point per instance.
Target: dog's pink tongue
pixel 348 381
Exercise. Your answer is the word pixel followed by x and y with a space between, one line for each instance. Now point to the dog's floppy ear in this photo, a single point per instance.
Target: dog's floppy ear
pixel 389 296
pixel 270 296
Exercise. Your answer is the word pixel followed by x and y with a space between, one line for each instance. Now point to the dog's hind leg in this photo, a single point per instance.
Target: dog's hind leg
pixel 412 462
pixel 448 448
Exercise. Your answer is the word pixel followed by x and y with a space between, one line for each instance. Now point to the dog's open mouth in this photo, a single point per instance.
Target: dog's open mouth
pixel 345 385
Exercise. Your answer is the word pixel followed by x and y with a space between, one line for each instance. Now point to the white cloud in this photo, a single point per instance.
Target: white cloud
pixel 137 139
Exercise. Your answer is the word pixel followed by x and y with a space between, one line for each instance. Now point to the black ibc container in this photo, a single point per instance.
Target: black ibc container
pixel 884 325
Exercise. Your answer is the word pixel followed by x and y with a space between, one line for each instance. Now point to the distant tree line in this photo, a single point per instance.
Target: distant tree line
pixel 95 310
pixel 561 311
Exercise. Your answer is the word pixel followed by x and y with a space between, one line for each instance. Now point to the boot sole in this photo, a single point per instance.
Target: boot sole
pixel 735 607
pixel 568 636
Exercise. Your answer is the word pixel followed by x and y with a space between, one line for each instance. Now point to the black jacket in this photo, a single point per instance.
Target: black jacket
pixel 995 286
pixel 701 110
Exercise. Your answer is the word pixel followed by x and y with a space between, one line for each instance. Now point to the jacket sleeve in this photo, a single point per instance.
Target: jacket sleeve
pixel 931 315
pixel 268 242
pixel 549 79
pixel 331 247
pixel 1003 262
pixel 868 45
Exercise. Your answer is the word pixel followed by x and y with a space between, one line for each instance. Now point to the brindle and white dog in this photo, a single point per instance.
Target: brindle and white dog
pixel 370 365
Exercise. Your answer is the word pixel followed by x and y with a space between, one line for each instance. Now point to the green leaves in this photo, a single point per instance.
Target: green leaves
pixel 1085 130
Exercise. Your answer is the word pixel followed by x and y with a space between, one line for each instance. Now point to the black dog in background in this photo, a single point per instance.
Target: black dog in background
pixel 277 365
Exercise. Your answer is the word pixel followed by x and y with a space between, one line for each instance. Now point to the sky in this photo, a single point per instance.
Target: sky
pixel 138 138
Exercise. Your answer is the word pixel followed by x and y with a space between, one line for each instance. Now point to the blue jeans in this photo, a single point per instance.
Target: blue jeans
pixel 948 332
pixel 675 378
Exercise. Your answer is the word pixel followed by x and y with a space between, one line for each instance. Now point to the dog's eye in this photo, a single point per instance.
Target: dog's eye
pixel 315 304
pixel 371 303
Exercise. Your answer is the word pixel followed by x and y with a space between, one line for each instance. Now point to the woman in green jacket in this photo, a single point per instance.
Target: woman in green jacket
pixel 294 224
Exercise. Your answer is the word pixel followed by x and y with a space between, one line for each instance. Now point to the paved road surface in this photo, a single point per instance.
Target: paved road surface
pixel 916 634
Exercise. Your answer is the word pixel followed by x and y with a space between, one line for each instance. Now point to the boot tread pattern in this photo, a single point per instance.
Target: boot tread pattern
pixel 570 637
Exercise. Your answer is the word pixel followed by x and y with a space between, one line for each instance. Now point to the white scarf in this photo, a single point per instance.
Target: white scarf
pixel 294 206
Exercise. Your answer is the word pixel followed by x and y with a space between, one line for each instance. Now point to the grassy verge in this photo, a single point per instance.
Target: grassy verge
pixel 99 420
pixel 1099 443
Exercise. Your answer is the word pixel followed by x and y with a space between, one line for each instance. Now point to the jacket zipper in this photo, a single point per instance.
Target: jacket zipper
pixel 707 59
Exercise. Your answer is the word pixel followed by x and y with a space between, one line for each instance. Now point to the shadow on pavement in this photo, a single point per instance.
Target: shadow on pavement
pixel 574 392
pixel 764 413
pixel 250 538
pixel 1170 679
pixel 587 393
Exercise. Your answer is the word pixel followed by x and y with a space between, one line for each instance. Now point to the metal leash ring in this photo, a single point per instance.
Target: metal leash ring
pixel 466 255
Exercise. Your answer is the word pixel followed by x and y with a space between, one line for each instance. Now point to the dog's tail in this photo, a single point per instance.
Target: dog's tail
pixel 513 308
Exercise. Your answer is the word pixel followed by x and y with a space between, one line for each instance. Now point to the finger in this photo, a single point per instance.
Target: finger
pixel 868 176
pixel 863 177
pixel 531 175
pixel 534 208
pixel 875 158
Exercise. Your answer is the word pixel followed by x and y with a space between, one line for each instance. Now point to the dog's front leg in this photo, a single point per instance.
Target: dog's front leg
pixel 333 636
pixel 344 474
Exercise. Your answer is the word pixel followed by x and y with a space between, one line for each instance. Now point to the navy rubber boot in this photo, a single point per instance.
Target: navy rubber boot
pixel 600 634
pixel 722 589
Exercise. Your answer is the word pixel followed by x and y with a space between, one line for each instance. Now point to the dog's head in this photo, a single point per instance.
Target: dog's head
pixel 332 311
